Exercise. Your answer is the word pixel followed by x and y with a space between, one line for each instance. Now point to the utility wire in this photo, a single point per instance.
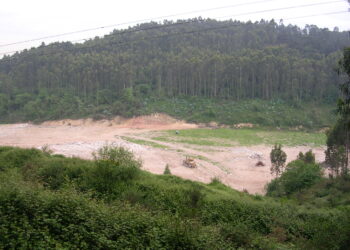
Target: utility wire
pixel 196 20
pixel 168 35
pixel 192 32
pixel 174 34
pixel 164 17
pixel 321 14
pixel 230 16
pixel 133 22
pixel 286 8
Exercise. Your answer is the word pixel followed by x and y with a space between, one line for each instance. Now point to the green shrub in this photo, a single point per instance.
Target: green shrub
pixel 195 196
pixel 299 175
pixel 238 234
pixel 308 157
pixel 17 157
pixel 167 170
pixel 4 149
pixel 215 181
pixel 275 188
pixel 54 172
pixel 159 211
pixel 118 156
pixel 114 168
pixel 34 219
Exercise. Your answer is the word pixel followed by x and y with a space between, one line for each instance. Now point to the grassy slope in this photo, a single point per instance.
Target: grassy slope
pixel 144 142
pixel 229 137
pixel 48 201
pixel 199 110
pixel 261 112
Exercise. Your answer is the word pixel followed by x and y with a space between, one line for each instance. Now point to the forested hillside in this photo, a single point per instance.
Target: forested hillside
pixel 118 74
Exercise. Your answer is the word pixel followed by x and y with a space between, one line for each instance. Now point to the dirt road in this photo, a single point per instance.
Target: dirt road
pixel 234 166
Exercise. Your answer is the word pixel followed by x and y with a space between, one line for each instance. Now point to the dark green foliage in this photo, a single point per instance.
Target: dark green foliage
pixel 118 156
pixel 244 61
pixel 333 192
pixel 338 138
pixel 298 175
pixel 4 149
pixel 336 159
pixel 15 158
pixel 55 171
pixel 195 197
pixel 115 168
pixel 278 158
pixel 167 170
pixel 271 113
pixel 336 154
pixel 215 181
pixel 154 211
pixel 308 157
pixel 33 220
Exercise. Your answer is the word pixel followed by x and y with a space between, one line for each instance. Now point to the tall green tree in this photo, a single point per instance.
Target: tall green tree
pixel 338 138
pixel 278 160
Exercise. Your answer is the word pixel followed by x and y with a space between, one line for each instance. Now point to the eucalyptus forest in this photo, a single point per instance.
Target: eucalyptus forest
pixel 127 71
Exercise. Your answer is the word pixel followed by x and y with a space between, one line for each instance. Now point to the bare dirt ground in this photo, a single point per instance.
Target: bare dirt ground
pixel 234 166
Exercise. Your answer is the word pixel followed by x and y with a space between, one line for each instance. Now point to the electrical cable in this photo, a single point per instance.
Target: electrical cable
pixel 132 22
pixel 169 35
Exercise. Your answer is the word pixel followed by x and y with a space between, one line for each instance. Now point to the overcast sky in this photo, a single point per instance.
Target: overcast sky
pixel 24 20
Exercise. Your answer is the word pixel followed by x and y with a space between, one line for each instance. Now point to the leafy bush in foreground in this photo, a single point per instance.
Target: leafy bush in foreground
pixel 53 202
pixel 299 175
pixel 15 158
pixel 114 168
pixel 34 220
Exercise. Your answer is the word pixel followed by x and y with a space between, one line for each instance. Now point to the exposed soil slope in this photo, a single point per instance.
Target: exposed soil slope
pixel 235 166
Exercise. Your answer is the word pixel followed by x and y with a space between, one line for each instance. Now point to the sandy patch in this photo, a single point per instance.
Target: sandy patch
pixel 235 166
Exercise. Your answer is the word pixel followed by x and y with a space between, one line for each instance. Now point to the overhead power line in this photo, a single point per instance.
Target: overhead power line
pixel 133 22
pixel 120 44
pixel 286 8
pixel 174 15
pixel 322 14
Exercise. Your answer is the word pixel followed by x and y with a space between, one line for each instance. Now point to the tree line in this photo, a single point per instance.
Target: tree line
pixel 196 58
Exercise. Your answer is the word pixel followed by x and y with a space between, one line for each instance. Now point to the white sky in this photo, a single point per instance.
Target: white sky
pixel 23 20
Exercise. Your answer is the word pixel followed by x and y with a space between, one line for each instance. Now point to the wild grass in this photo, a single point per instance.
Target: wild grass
pixel 229 137
pixel 270 113
pixel 194 141
pixel 144 142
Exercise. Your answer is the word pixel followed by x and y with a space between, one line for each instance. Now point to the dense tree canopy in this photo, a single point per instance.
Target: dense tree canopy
pixel 195 57
pixel 338 138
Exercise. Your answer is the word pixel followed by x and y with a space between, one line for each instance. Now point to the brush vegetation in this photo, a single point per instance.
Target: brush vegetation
pixel 49 201
pixel 144 142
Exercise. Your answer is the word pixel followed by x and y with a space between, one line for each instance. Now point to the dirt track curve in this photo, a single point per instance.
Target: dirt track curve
pixel 234 166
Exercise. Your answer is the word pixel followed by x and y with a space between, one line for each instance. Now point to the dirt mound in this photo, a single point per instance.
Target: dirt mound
pixel 66 122
pixel 154 122
pixel 149 120
pixel 243 125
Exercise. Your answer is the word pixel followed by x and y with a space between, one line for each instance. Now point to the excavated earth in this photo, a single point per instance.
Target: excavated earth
pixel 235 166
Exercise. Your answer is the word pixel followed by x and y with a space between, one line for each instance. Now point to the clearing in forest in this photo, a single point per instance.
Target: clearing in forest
pixel 228 154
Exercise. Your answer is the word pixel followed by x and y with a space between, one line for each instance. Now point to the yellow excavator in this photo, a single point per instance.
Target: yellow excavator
pixel 189 162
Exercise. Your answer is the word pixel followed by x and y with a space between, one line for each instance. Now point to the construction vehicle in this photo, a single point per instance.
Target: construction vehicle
pixel 189 162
